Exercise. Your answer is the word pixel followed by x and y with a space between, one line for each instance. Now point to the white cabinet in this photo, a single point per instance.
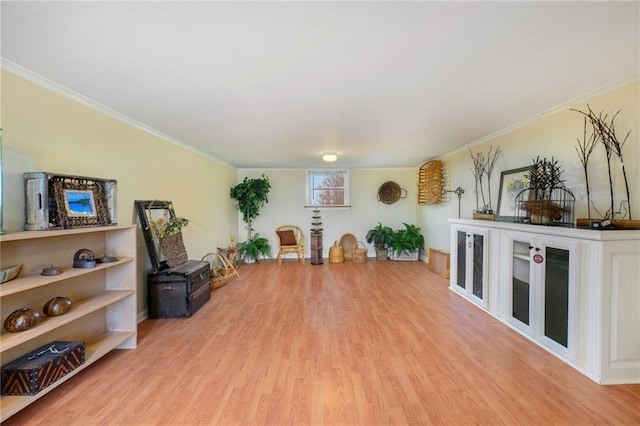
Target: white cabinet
pixel 104 298
pixel 574 292
pixel 540 297
pixel 470 267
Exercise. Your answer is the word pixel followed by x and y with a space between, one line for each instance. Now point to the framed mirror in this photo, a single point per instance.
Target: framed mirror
pixel 149 213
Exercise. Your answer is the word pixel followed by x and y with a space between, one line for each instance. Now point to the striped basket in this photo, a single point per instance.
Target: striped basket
pixel 336 253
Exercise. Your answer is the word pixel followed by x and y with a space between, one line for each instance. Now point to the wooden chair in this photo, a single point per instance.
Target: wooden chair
pixel 290 240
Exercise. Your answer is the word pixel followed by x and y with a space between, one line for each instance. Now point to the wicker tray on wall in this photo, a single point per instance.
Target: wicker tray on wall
pixel 430 183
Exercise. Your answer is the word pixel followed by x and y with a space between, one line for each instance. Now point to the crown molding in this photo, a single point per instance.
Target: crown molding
pixel 46 83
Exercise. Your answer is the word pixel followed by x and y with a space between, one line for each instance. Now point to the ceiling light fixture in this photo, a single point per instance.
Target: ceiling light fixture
pixel 329 157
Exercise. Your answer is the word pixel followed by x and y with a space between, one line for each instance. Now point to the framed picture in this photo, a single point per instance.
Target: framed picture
pixel 511 183
pixel 79 203
pixel 63 201
pixel 149 213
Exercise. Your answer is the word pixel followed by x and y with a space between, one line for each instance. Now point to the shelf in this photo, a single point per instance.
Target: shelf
pixel 29 282
pixel 31 235
pixel 47 324
pixel 103 318
pixel 94 350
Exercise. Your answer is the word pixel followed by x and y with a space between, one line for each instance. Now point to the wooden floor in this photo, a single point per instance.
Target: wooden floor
pixel 351 344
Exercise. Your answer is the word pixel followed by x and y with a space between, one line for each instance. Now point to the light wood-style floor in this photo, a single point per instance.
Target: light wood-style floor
pixel 351 344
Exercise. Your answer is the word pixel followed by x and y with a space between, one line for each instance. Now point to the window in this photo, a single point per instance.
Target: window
pixel 328 188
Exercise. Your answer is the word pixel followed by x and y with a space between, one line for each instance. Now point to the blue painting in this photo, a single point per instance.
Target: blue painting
pixel 79 203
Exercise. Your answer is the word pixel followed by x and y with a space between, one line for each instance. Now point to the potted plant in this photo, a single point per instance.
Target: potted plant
pixel 545 202
pixel 168 230
pixel 251 195
pixel 251 250
pixel 406 243
pixel 380 236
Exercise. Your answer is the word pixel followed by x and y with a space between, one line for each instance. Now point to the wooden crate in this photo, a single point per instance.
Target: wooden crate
pixel 439 262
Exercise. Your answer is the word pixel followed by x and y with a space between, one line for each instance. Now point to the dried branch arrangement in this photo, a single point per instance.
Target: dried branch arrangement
pixel 604 131
pixel 483 166
pixel 545 176
pixel 585 149
pixel 547 200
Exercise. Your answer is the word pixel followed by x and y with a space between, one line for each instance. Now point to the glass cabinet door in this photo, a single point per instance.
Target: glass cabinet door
pixel 521 282
pixel 478 265
pixel 556 295
pixel 461 261
pixel 470 266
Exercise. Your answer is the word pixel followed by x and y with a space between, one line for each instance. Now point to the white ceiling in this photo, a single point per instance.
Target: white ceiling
pixel 273 85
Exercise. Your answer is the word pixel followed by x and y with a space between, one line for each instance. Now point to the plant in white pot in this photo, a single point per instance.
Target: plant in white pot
pixel 406 243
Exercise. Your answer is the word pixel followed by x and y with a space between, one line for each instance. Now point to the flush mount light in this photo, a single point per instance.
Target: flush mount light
pixel 329 157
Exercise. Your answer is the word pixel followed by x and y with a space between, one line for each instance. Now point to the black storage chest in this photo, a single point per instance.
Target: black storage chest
pixel 179 292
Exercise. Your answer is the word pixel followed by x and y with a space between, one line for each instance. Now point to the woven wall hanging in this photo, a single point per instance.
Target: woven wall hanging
pixel 430 183
pixel 390 192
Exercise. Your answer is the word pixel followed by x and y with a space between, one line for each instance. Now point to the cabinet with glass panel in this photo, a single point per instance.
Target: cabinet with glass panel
pixel 540 292
pixel 470 267
pixel 572 291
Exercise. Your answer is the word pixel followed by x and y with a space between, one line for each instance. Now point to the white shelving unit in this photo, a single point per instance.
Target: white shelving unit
pixel 104 298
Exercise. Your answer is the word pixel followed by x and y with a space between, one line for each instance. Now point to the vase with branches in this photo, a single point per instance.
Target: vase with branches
pixel 585 149
pixel 604 131
pixel 483 166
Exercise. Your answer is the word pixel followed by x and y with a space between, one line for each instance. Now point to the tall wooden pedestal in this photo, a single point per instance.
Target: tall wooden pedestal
pixel 316 248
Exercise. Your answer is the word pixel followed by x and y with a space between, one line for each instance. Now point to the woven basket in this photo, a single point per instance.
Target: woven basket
pixel 390 192
pixel 360 253
pixel 222 270
pixel 336 253
pixel 172 247
pixel 348 242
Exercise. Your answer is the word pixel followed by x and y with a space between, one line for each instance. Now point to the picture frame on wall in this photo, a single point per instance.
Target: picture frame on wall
pixel 512 182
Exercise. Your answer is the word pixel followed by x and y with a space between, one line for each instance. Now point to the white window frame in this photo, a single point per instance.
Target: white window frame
pixel 319 172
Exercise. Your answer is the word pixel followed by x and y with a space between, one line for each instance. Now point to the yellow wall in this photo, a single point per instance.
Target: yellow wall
pixel 45 131
pixel 552 135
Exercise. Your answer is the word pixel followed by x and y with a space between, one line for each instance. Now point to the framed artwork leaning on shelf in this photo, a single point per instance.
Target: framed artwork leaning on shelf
pixel 512 182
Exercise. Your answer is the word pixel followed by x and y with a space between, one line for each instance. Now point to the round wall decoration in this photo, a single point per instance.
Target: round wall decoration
pixel 390 192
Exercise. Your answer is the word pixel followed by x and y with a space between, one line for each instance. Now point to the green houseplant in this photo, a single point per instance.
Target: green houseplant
pixel 251 195
pixel 380 236
pixel 406 243
pixel 254 248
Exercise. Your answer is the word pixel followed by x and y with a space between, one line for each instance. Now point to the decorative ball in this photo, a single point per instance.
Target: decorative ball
pixel 21 320
pixel 58 305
